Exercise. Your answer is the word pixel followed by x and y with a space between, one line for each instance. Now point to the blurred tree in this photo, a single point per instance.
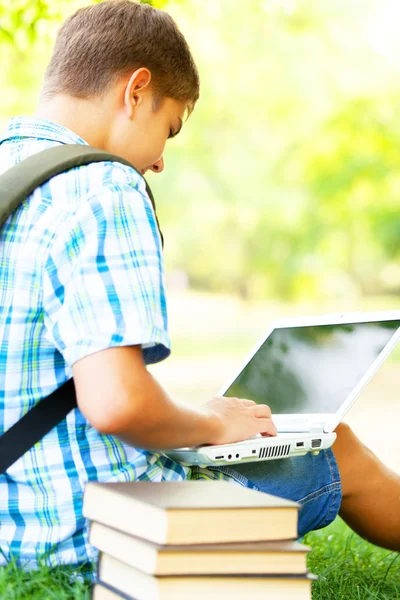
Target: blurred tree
pixel 284 181
pixel 243 196
pixel 19 20
pixel 351 166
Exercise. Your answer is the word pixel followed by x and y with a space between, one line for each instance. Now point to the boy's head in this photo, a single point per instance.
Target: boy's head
pixel 131 61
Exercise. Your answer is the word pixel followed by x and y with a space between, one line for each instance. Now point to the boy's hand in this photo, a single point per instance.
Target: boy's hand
pixel 239 419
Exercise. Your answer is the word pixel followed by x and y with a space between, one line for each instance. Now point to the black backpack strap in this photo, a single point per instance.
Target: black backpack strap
pixel 35 424
pixel 16 185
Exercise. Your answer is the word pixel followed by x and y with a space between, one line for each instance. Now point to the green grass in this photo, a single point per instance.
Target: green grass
pixel 347 566
pixel 60 583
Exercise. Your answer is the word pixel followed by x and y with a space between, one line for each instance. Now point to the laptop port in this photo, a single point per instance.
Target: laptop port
pixel 219 457
pixel 316 443
pixel 299 444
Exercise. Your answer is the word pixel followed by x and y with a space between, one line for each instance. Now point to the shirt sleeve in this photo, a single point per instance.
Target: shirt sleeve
pixel 104 277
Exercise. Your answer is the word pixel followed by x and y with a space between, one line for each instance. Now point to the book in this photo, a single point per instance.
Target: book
pixel 190 512
pixel 132 583
pixel 200 559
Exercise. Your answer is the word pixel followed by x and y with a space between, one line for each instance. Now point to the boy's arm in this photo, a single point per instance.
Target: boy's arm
pixel 118 396
pixel 104 310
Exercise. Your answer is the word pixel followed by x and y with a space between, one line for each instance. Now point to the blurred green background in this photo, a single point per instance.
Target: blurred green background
pixel 285 182
pixel 281 196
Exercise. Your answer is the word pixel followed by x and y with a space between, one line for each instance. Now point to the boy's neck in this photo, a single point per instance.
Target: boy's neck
pixel 87 118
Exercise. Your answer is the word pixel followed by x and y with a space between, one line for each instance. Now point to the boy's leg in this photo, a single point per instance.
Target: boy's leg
pixel 371 491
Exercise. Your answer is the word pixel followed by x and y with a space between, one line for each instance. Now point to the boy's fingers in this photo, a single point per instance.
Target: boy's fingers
pixel 243 401
pixel 262 410
pixel 247 402
pixel 267 427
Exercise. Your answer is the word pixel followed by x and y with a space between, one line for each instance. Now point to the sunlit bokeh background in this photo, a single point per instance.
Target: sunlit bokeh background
pixel 281 196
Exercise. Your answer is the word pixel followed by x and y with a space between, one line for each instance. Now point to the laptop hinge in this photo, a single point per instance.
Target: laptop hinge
pixel 316 428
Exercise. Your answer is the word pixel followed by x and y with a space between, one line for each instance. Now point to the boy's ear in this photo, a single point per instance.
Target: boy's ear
pixel 138 82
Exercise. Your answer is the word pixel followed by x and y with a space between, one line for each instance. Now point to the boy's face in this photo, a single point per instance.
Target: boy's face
pixel 150 131
pixel 139 133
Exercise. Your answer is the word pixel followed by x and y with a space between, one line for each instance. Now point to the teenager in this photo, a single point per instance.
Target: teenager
pixel 83 296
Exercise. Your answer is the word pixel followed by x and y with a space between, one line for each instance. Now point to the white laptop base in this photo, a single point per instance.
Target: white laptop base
pixel 309 371
pixel 255 449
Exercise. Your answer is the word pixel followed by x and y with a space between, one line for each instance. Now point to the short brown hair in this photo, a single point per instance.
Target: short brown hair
pixel 105 41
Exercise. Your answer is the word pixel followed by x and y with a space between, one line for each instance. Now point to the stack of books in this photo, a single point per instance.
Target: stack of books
pixel 194 540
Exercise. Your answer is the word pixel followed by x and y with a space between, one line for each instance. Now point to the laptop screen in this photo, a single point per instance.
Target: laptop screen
pixel 311 369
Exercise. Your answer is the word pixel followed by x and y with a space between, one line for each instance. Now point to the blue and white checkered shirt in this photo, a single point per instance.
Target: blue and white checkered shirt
pixel 81 270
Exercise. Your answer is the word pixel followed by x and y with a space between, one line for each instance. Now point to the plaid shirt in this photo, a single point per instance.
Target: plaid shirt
pixel 81 270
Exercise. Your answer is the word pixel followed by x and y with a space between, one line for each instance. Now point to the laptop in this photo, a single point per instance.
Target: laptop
pixel 309 371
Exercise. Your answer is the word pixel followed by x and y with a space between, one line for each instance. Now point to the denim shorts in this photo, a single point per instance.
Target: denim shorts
pixel 312 480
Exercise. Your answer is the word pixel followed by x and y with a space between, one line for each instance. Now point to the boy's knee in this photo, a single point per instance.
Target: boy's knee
pixel 343 431
pixel 347 443
pixel 353 459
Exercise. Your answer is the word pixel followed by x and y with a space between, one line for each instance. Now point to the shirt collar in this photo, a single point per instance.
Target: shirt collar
pixel 31 127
